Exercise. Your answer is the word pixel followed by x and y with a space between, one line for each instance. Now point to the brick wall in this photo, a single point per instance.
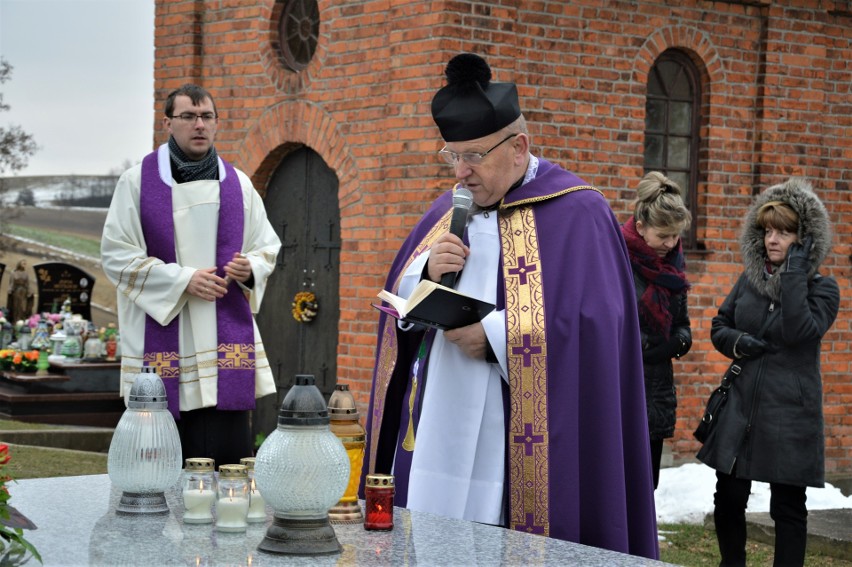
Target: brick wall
pixel 776 83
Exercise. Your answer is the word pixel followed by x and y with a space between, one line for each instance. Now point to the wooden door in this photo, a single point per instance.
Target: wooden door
pixel 302 205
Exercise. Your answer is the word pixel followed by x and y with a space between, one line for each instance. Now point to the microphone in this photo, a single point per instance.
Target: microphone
pixel 462 200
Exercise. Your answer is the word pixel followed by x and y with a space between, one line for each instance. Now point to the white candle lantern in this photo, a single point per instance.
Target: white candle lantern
pixel 301 470
pixel 233 502
pixel 145 454
pixel 199 491
pixel 257 505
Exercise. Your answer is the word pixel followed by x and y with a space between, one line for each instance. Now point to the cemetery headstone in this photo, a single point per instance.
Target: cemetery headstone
pixel 58 281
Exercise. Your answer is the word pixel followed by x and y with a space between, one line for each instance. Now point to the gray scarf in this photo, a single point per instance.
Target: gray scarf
pixel 190 170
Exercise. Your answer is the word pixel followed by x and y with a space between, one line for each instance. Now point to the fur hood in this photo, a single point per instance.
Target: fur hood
pixel 813 220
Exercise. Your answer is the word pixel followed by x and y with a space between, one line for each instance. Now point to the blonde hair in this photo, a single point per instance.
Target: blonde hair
pixel 659 204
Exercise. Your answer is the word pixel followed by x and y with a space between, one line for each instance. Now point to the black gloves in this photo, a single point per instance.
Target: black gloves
pixel 676 346
pixel 748 345
pixel 798 260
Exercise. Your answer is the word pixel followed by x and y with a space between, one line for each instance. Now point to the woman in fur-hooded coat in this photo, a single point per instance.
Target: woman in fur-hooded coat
pixel 772 427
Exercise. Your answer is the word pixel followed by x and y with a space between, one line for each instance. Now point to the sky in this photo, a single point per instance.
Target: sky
pixel 685 495
pixel 82 82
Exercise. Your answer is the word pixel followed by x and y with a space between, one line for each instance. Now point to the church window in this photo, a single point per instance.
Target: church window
pixel 298 31
pixel 672 126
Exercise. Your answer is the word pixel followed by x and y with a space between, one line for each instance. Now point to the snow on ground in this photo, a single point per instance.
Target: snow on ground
pixel 685 495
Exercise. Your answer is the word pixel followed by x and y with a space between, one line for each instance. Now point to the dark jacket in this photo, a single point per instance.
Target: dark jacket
pixel 657 354
pixel 772 427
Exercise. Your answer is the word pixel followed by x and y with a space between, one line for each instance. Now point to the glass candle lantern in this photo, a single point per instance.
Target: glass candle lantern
pixel 57 339
pixel 145 454
pixel 345 424
pixel 72 348
pixel 7 334
pixel 199 491
pixel 301 471
pixel 25 336
pixel 378 496
pixel 41 336
pixel 43 363
pixel 257 505
pixel 232 503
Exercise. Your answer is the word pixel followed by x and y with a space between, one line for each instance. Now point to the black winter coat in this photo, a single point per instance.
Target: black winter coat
pixel 657 354
pixel 771 430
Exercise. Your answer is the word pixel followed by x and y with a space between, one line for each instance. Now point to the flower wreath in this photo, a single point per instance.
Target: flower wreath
pixel 304 306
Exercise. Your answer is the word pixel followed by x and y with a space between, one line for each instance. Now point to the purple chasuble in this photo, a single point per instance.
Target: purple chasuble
pixel 577 449
pixel 235 331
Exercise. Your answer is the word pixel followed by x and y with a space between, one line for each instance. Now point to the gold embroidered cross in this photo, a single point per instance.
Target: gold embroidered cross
pixel 236 356
pixel 166 363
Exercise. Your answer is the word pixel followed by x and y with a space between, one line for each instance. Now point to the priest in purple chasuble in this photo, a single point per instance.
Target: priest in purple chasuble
pixel 534 418
pixel 189 248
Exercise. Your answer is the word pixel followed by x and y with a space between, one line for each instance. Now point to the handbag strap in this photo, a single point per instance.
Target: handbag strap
pixel 735 368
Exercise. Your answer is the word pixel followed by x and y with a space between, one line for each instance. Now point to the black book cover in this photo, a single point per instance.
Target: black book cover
pixel 437 306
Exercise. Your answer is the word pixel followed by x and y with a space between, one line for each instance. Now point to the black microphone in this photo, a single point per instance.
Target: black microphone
pixel 462 200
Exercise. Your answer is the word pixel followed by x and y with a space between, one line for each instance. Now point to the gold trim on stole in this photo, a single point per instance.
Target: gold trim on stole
pixel 388 355
pixel 526 350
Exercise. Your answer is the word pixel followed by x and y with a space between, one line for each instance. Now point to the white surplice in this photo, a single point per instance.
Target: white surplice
pixel 146 285
pixel 457 469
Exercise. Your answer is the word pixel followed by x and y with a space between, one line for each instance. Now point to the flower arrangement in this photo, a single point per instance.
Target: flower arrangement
pixel 13 544
pixel 18 361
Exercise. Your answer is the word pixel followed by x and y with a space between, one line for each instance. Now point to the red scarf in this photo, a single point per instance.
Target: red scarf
pixel 665 276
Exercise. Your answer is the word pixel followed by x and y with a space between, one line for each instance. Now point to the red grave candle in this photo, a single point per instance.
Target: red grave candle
pixel 378 495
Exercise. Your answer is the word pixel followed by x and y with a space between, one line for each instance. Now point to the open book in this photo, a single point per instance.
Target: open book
pixel 436 306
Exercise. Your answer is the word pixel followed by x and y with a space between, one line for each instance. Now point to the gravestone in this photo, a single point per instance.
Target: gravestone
pixel 58 281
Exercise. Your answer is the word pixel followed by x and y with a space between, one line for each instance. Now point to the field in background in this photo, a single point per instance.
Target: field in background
pixel 60 235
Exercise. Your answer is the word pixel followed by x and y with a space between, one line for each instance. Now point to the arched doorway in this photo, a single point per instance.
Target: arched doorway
pixel 302 205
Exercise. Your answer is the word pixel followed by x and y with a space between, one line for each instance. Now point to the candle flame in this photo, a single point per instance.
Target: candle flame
pixel 253 489
pixel 201 486
pixel 379 507
pixel 230 494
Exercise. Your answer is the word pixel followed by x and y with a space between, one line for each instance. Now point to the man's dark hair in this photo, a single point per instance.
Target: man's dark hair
pixel 195 93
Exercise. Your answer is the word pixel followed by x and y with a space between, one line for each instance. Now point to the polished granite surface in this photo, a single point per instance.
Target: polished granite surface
pixel 77 525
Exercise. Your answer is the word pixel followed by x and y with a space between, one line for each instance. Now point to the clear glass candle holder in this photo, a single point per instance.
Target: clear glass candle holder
pixel 199 491
pixel 302 470
pixel 232 504
pixel 144 457
pixel 257 505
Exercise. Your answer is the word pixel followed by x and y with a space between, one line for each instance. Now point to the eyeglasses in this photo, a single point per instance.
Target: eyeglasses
pixel 470 158
pixel 191 118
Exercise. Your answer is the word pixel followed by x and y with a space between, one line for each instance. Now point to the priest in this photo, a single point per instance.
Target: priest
pixel 189 248
pixel 534 418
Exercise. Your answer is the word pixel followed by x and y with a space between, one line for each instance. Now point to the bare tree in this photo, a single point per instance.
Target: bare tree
pixel 16 147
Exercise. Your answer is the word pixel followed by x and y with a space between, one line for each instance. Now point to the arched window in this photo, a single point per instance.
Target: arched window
pixel 671 126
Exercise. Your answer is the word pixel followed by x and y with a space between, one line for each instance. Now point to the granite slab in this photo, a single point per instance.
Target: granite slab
pixel 77 525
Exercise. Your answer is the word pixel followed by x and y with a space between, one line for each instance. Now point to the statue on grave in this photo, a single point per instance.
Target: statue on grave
pixel 20 301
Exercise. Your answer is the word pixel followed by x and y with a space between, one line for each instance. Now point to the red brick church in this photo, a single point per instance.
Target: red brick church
pixel 326 106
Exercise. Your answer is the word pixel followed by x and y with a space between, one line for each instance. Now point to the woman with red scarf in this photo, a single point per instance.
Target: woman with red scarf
pixel 653 241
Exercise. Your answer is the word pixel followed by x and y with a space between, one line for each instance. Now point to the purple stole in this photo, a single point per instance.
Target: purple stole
pixel 235 338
